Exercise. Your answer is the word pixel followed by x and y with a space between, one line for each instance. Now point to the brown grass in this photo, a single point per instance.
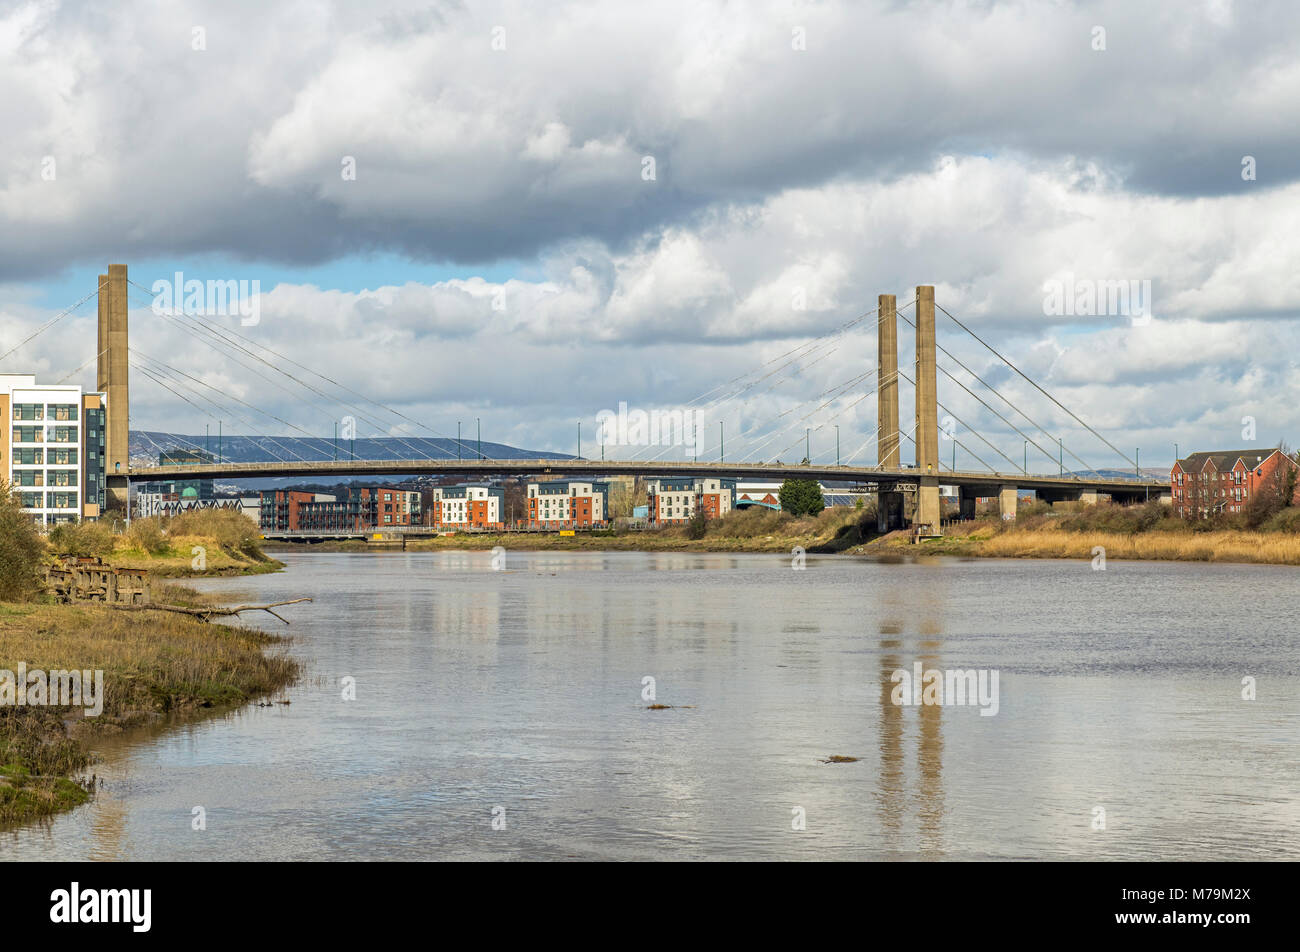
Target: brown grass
pixel 154 664
pixel 1221 546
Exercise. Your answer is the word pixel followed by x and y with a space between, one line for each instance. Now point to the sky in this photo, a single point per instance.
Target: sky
pixel 522 215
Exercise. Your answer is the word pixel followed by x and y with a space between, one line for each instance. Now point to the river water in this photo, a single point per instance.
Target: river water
pixel 502 714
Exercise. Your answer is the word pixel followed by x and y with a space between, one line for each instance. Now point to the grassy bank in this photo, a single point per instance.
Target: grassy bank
pixel 156 665
pixel 1146 532
pixel 749 530
pixel 203 542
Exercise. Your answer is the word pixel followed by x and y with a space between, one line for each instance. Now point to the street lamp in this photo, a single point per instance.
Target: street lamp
pixel 837 444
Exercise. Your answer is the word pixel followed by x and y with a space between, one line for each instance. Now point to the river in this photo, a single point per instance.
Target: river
pixel 503 714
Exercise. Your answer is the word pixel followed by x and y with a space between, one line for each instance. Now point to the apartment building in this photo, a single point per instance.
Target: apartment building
pixel 676 500
pixel 1224 481
pixel 52 444
pixel 280 510
pixel 469 506
pixel 567 504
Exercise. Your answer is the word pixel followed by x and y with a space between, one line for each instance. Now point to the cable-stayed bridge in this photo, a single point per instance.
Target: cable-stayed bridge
pixel 908 492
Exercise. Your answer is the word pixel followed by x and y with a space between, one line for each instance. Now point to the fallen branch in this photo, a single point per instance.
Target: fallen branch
pixel 209 612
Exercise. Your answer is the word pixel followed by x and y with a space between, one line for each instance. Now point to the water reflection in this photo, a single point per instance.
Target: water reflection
pixel 522 688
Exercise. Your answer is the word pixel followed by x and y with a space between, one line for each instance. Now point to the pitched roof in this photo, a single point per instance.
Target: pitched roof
pixel 1225 460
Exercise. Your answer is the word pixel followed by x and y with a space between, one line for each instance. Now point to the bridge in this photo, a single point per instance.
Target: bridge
pixel 906 493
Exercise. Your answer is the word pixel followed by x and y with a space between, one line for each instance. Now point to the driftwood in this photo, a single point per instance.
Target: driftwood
pixel 208 613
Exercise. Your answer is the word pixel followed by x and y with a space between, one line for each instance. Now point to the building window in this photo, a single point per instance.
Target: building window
pixel 29 411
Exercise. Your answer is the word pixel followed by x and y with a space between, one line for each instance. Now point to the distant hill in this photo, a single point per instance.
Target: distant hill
pixel 145 445
pixel 1148 472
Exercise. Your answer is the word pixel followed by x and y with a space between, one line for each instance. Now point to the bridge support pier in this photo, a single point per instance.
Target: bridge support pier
pixel 1089 497
pixel 1007 502
pixel 889 511
pixel 966 502
pixel 927 517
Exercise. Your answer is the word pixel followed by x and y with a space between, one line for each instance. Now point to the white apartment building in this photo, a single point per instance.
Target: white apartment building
pixel 676 500
pixel 473 505
pixel 568 502
pixel 52 441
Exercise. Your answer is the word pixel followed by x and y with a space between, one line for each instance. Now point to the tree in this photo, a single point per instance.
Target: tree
pixel 698 525
pixel 801 497
pixel 1274 494
pixel 21 549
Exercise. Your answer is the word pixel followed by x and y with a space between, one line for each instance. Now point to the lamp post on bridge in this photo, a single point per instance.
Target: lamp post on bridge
pixel 1025 466
pixel 479 422
pixel 837 444
pixel 807 451
pixel 458 439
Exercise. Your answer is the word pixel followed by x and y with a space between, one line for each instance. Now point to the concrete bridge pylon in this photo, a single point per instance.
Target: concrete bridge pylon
pixel 111 377
pixel 889 504
pixel 926 517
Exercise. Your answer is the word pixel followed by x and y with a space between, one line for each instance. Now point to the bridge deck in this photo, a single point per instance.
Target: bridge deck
pixel 552 468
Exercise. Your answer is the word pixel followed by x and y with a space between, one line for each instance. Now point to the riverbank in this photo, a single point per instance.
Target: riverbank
pixel 990 540
pixel 1137 532
pixel 192 556
pixel 752 530
pixel 156 665
pixel 203 542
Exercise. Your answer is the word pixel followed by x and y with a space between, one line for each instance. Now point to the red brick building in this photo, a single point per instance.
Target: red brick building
pixel 361 508
pixel 1204 484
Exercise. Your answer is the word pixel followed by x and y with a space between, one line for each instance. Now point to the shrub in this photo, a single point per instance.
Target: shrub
pixel 698 526
pixel 147 535
pixel 232 530
pixel 83 538
pixel 1288 520
pixel 21 549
